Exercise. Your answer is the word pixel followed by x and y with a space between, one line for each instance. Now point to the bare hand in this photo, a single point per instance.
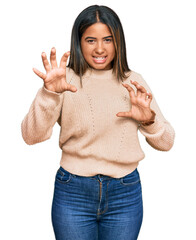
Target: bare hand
pixel 140 104
pixel 55 77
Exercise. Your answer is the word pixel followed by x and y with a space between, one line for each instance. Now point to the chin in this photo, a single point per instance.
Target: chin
pixel 101 67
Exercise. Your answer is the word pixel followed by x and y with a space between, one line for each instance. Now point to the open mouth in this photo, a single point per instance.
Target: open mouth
pixel 99 59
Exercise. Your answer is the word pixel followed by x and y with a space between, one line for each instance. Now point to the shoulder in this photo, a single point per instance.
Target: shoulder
pixel 134 76
pixel 72 77
pixel 70 74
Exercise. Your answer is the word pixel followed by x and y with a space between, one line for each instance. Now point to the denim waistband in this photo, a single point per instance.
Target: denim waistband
pixel 100 177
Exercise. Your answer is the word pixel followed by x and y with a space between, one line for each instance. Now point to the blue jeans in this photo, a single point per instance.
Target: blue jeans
pixel 97 208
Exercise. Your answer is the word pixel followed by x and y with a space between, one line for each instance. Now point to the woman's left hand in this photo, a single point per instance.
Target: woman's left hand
pixel 140 104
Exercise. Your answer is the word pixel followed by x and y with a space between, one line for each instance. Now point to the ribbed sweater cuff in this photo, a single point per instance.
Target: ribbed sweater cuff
pixel 156 127
pixel 47 100
pixel 49 93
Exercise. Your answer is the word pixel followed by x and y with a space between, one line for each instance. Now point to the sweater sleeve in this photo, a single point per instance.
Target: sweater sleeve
pixel 44 112
pixel 160 135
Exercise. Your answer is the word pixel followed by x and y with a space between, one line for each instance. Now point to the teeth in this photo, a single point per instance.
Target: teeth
pixel 99 58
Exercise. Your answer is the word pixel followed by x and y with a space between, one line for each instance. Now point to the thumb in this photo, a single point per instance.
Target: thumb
pixel 71 88
pixel 123 114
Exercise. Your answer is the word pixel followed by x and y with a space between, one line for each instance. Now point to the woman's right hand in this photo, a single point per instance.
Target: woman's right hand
pixel 55 77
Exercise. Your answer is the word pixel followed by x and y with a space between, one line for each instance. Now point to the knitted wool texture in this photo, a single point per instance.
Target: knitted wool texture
pixel 92 138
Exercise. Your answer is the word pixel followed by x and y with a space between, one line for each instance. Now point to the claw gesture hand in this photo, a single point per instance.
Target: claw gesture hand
pixel 55 77
pixel 140 104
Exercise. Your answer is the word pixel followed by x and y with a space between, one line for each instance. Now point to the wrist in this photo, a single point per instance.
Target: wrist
pixel 49 88
pixel 150 121
pixel 50 92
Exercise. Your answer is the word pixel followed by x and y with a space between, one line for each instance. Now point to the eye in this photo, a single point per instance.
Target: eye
pixel 108 40
pixel 91 41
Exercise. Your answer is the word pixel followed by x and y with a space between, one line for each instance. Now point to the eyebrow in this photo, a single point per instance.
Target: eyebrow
pixel 95 38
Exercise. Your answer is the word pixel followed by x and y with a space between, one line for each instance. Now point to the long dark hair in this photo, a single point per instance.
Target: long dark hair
pixel 85 19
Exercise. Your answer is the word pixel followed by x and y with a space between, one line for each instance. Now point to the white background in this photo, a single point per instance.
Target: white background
pixel 160 38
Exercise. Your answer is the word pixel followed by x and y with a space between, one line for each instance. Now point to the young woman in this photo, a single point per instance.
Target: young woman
pixel 100 105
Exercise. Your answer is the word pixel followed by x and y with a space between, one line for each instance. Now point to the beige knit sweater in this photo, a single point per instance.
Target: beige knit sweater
pixel 92 138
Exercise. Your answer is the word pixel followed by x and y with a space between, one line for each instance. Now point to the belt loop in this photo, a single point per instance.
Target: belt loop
pixel 99 177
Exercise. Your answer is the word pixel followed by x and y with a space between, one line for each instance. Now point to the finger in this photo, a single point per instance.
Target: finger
pixel 138 86
pixel 123 114
pixel 39 74
pixel 149 97
pixel 71 88
pixel 142 95
pixel 53 58
pixel 45 62
pixel 130 89
pixel 64 58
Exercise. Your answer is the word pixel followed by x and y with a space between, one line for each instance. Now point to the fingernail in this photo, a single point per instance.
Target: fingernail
pixel 53 49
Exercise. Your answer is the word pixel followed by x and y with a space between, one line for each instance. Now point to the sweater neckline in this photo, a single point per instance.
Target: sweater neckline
pixel 99 74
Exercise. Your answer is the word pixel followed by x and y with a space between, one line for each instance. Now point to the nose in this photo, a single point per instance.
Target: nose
pixel 99 48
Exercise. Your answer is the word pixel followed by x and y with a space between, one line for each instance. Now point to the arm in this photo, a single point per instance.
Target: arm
pixel 160 135
pixel 46 107
pixel 144 109
pixel 43 114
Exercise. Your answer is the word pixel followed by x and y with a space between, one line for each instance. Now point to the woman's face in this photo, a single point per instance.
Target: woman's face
pixel 98 47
